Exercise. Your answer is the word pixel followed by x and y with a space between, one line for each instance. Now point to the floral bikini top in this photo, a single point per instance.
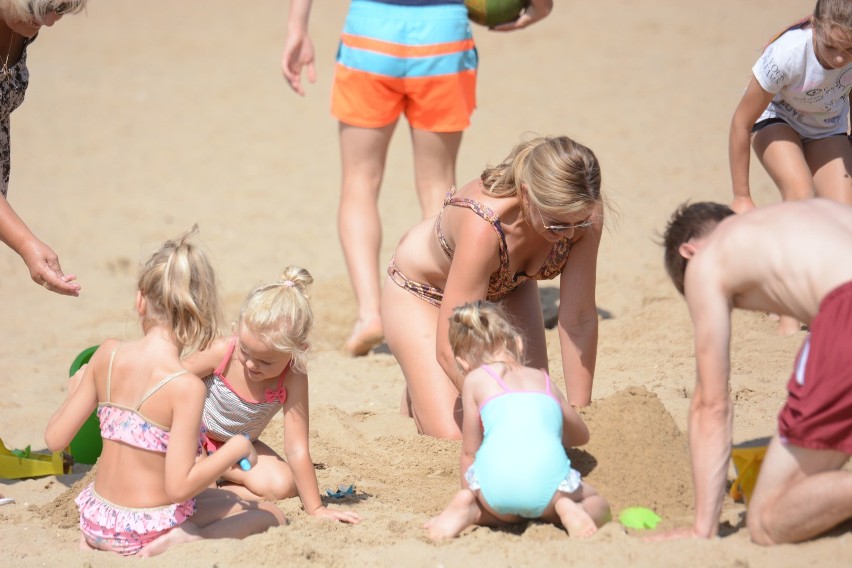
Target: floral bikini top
pixel 502 281
pixel 128 425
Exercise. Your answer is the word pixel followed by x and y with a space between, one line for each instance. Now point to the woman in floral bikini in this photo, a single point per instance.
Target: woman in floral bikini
pixel 535 216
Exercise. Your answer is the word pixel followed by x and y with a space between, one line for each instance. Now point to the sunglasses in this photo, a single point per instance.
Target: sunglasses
pixel 565 227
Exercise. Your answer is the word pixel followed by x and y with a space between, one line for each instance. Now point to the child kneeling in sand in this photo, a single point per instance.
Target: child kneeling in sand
pixel 149 492
pixel 517 468
pixel 250 377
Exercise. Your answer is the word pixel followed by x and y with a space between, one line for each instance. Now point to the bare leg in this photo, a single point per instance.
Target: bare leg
pixel 219 515
pixel 779 148
pixel 462 512
pixel 581 512
pixel 410 325
pixel 435 155
pixel 363 153
pixel 830 160
pixel 800 493
pixel 270 478
pixel 574 518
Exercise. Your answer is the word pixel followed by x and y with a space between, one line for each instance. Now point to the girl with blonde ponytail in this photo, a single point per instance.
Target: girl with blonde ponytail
pixel 252 375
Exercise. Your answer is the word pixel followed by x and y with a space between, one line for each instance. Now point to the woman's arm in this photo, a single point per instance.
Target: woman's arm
pixel 535 11
pixel 751 106
pixel 40 259
pixel 578 317
pixel 476 257
pixel 296 431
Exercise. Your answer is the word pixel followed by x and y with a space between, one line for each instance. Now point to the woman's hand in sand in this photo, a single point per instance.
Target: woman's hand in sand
pixel 324 512
pixel 45 270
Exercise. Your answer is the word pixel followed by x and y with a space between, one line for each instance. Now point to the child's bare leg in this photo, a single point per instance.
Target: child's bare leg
pixel 830 159
pixel 270 478
pixel 219 515
pixel 575 519
pixel 463 511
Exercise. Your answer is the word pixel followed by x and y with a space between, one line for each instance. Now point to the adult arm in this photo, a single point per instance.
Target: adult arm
pixel 296 449
pixel 298 48
pixel 751 106
pixel 40 259
pixel 475 258
pixel 710 412
pixel 536 11
pixel 578 317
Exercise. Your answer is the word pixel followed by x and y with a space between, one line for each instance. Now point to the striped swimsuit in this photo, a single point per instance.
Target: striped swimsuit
pixel 227 414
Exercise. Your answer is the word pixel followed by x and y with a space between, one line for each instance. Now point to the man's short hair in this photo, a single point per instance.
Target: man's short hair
pixel 690 220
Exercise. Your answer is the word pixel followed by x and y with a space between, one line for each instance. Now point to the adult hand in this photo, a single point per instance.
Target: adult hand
pixel 45 270
pixel 324 512
pixel 537 10
pixel 298 54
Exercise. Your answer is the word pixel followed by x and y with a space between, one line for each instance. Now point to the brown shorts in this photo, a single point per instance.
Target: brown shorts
pixel 818 411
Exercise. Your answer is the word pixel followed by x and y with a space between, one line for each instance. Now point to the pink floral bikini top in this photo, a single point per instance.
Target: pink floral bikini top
pixel 128 425
pixel 502 281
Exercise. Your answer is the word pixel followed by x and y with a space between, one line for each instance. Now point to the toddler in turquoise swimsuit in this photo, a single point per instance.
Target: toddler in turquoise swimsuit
pixel 514 435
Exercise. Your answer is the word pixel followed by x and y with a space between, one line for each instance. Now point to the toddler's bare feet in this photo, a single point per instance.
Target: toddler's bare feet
pixel 575 519
pixel 459 514
pixel 187 532
pixel 365 335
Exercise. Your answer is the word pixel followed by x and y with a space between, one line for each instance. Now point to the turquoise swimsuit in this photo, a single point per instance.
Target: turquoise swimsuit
pixel 521 463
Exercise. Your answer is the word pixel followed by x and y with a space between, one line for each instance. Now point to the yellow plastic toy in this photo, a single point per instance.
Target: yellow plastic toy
pixel 747 458
pixel 31 465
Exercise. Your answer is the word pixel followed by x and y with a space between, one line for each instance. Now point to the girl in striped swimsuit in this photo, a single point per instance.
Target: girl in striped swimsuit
pixel 254 374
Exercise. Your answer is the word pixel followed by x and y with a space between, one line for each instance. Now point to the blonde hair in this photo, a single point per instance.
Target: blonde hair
pixel 479 330
pixel 280 313
pixel 179 286
pixel 38 9
pixel 562 175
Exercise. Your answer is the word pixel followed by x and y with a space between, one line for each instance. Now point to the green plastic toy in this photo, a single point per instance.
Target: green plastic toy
pixel 639 518
pixel 87 444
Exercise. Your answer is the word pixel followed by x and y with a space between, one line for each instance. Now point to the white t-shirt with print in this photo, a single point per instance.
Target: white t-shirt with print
pixel 814 101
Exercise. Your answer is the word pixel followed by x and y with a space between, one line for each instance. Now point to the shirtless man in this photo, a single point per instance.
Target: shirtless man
pixel 795 259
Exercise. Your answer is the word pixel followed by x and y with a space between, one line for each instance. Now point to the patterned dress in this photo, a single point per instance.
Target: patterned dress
pixel 13 87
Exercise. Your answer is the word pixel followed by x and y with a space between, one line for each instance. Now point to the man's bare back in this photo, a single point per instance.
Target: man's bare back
pixel 783 258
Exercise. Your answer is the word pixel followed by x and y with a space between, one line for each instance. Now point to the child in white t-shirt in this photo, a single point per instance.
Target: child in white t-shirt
pixel 795 114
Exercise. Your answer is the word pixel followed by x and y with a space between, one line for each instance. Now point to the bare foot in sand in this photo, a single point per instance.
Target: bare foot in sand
pixel 575 519
pixel 186 532
pixel 462 512
pixel 365 335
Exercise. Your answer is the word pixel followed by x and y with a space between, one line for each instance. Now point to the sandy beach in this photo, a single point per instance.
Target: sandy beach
pixel 143 118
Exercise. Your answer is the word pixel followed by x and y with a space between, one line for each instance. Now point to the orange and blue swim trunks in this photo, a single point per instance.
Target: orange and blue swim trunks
pixel 417 60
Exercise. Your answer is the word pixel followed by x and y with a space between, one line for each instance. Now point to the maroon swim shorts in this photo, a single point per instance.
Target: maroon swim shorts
pixel 818 411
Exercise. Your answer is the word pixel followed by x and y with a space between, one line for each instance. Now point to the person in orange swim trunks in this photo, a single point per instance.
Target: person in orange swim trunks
pixel 412 57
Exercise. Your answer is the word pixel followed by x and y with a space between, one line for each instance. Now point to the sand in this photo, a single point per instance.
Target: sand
pixel 142 120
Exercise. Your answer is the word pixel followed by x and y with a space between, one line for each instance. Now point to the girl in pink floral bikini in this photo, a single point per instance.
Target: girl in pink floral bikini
pixel 150 492
pixel 253 375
